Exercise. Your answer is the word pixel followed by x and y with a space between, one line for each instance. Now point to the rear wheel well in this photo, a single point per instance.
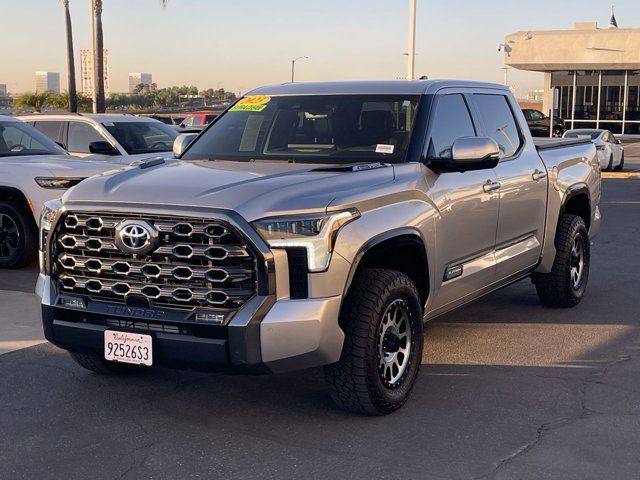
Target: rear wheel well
pixel 406 254
pixel 580 205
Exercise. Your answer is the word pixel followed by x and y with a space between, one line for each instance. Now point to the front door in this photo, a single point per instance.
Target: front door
pixel 468 205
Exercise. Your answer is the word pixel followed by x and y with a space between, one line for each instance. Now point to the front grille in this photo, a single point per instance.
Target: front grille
pixel 197 263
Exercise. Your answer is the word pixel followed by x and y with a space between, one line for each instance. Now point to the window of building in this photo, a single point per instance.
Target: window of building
pixel 499 122
pixel 612 95
pixel 563 82
pixel 587 94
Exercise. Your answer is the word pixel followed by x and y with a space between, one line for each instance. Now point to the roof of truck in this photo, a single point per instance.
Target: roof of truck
pixel 400 87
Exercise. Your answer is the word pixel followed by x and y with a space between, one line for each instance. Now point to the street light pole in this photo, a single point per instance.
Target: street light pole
pixel 411 55
pixel 293 67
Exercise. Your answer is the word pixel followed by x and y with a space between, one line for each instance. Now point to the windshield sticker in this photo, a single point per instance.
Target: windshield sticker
pixel 382 148
pixel 252 103
pixel 108 124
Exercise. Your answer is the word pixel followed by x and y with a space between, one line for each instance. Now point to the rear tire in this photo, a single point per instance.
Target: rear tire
pixel 17 236
pixel 96 364
pixel 610 166
pixel 380 360
pixel 620 167
pixel 565 285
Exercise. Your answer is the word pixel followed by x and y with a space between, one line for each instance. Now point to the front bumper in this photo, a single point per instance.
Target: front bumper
pixel 265 335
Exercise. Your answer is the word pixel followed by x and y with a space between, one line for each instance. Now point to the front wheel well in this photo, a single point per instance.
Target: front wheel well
pixel 404 253
pixel 17 198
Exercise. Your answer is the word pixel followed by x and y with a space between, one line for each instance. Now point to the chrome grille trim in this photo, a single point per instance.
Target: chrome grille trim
pixel 198 263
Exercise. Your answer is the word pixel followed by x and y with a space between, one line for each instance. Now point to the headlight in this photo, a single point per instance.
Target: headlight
pixel 316 233
pixel 58 183
pixel 48 214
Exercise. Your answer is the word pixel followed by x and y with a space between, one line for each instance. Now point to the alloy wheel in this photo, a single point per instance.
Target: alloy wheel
pixel 394 343
pixel 9 236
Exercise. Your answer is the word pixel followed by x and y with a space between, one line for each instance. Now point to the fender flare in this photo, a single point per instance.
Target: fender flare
pixel 573 191
pixel 408 234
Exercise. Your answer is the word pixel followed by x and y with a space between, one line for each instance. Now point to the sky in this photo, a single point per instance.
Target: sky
pixel 241 44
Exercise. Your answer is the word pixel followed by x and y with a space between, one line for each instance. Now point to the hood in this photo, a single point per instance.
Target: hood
pixel 254 190
pixel 57 165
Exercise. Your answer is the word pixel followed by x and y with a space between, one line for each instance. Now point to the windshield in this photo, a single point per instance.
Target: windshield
pixel 311 128
pixel 584 134
pixel 142 137
pixel 19 139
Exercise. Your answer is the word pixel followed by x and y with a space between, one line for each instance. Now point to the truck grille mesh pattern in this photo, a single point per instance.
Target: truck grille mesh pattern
pixel 197 263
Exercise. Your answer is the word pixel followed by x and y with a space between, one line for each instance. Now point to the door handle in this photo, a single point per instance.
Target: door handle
pixel 490 186
pixel 538 175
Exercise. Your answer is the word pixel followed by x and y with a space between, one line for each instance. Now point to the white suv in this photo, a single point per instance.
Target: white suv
pixel 122 138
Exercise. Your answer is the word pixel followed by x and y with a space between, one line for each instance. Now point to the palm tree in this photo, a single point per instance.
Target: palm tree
pixel 99 105
pixel 71 67
pixel 33 101
pixel 98 55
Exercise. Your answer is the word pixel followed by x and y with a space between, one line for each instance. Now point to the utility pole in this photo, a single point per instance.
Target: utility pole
pixel 411 55
pixel 293 67
pixel 506 75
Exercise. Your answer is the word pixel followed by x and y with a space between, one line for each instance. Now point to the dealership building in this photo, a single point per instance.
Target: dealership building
pixel 591 75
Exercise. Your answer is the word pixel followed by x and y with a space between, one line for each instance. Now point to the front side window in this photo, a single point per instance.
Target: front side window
pixel 499 122
pixel 142 137
pixel 19 139
pixel 50 129
pixel 81 135
pixel 451 121
pixel 330 129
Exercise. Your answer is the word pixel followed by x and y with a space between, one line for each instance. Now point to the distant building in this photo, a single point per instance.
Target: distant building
pixel 594 72
pixel 136 79
pixel 48 82
pixel 86 67
pixel 3 88
pixel 535 95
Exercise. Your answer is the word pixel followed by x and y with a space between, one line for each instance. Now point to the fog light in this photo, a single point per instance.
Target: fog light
pixel 72 302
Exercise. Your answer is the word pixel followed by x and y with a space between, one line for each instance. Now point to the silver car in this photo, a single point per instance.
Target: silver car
pixel 609 148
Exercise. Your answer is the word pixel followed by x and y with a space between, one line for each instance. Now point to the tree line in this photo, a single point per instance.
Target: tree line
pixel 144 97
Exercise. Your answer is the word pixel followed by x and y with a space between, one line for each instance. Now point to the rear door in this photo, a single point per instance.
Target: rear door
pixel 523 185
pixel 468 208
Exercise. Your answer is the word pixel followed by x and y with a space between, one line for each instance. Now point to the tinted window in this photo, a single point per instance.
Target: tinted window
pixel 528 114
pixel 536 115
pixel 451 121
pixel 17 138
pixel 583 134
pixel 499 123
pixel 142 137
pixel 311 128
pixel 81 135
pixel 50 129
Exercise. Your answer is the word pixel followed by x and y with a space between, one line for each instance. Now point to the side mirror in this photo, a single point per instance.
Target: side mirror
pixel 469 153
pixel 181 143
pixel 103 148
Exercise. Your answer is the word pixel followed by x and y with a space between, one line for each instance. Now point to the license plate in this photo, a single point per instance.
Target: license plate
pixel 128 348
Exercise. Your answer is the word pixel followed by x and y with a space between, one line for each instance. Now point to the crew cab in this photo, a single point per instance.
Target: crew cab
pixel 33 169
pixel 318 224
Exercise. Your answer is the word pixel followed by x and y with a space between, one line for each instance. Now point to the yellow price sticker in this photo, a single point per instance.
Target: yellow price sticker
pixel 252 103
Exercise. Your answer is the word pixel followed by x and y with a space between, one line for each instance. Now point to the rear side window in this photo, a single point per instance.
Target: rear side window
pixel 81 135
pixel 499 122
pixel 50 129
pixel 450 122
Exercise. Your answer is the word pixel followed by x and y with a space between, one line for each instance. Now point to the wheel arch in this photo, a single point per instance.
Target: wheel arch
pixel 407 244
pixel 15 196
pixel 577 201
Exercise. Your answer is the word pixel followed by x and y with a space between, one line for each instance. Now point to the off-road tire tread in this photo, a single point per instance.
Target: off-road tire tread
pixel 554 289
pixel 347 379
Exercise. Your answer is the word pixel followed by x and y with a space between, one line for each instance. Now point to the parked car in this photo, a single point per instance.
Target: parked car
pixel 33 169
pixel 539 123
pixel 610 149
pixel 198 120
pixel 319 224
pixel 121 138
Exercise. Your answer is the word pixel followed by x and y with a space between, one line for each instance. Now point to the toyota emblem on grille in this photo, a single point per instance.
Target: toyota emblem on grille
pixel 136 236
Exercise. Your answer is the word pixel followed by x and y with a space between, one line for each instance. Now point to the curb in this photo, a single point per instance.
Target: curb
pixel 621 175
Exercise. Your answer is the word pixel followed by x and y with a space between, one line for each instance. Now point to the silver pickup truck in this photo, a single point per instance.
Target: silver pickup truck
pixel 318 224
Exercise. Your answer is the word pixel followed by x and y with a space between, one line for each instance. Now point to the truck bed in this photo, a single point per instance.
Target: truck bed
pixel 552 143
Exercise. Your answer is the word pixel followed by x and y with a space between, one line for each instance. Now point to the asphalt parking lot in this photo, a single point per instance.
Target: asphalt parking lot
pixel 508 390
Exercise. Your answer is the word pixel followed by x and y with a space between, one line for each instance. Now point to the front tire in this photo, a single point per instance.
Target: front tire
pixel 565 285
pixel 380 360
pixel 620 167
pixel 99 365
pixel 17 236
